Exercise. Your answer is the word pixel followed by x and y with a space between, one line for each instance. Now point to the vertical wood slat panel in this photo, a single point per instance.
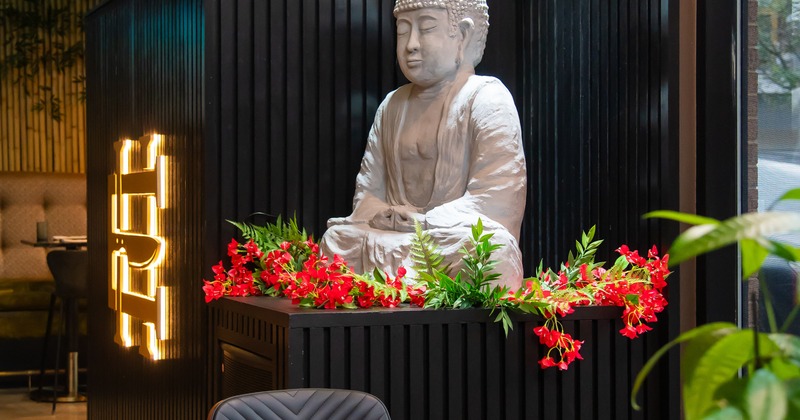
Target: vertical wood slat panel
pixel 144 75
pixel 462 348
pixel 297 151
pixel 31 140
pixel 419 370
pixel 437 369
pixel 591 102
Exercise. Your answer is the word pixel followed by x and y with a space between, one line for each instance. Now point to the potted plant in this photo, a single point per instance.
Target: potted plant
pixel 727 371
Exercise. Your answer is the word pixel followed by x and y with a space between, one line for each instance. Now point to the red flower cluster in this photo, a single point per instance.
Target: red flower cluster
pixel 567 347
pixel 639 291
pixel 313 281
pixel 238 281
pixel 636 284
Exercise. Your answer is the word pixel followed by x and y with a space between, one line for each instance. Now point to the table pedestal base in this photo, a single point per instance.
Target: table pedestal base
pixel 71 394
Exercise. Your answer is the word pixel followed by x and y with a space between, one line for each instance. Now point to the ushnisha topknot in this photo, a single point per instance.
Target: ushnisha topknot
pixel 456 10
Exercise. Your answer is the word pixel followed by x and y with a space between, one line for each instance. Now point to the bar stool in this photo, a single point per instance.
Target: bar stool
pixel 70 269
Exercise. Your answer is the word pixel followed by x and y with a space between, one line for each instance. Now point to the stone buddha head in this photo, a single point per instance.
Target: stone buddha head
pixel 438 38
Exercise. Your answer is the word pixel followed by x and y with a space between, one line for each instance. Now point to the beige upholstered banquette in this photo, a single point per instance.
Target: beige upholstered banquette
pixel 25 281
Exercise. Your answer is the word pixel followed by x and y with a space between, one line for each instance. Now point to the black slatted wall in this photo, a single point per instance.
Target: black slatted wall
pixel 594 104
pixel 144 75
pixel 268 104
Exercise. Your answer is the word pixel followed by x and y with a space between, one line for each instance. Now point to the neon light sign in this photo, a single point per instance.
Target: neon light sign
pixel 138 253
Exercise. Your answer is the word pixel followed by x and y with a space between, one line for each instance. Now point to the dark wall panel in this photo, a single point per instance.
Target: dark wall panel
pixel 719 153
pixel 594 109
pixel 144 75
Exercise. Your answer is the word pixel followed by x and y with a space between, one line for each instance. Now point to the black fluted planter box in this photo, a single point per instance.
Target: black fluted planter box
pixel 422 363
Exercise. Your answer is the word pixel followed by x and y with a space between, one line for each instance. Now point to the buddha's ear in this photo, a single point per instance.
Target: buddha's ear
pixel 467 30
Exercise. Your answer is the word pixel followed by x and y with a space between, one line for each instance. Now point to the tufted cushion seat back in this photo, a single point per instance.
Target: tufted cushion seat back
pixel 30 197
pixel 301 404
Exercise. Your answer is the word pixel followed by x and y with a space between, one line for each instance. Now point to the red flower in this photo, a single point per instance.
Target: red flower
pixel 628 331
pixel 253 251
pixel 547 362
pixel 233 248
pixel 416 295
pixel 213 290
pixel 389 301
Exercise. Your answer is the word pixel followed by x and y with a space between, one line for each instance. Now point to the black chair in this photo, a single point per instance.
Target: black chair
pixel 70 269
pixel 305 404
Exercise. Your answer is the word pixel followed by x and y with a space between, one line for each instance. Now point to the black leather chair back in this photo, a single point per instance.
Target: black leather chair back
pixel 305 404
pixel 70 269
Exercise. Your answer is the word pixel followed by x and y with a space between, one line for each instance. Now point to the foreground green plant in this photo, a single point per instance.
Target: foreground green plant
pixel 715 353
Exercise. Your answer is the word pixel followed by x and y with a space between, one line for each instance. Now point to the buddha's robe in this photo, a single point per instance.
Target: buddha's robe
pixel 480 173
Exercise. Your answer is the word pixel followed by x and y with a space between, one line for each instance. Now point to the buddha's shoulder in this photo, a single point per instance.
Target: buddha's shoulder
pixel 482 89
pixel 478 83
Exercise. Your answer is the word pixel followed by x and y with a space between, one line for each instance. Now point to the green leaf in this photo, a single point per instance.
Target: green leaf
pixel 709 361
pixel 705 238
pixel 765 396
pixel 732 392
pixel 506 320
pixel 783 368
pixel 620 264
pixel 533 306
pixel 783 250
pixel 688 218
pixel 686 336
pixel 726 413
pixel 753 256
pixel 793 398
pixel 793 194
pixel 426 256
pixel 788 344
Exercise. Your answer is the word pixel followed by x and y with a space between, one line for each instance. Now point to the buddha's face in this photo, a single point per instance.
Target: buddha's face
pixel 425 50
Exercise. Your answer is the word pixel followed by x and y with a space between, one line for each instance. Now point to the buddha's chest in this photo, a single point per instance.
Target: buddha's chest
pixel 418 135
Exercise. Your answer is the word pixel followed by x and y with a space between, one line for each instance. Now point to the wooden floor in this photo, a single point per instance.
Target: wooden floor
pixel 15 403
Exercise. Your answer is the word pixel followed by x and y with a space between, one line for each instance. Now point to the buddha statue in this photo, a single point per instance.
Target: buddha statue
pixel 443 151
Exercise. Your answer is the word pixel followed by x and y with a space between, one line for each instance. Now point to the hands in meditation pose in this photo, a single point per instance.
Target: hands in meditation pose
pixel 444 150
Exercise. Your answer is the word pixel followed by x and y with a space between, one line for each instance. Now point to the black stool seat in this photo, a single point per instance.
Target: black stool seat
pixel 70 269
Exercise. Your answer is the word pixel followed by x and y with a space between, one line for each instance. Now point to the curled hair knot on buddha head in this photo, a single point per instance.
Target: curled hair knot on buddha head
pixel 457 10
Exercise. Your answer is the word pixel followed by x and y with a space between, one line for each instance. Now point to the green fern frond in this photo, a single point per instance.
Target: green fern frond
pixel 270 236
pixel 425 255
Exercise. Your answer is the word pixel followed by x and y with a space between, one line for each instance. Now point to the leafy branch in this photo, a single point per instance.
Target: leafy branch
pixel 471 287
pixel 37 34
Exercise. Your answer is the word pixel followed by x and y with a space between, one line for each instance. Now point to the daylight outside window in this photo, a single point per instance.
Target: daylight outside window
pixel 779 135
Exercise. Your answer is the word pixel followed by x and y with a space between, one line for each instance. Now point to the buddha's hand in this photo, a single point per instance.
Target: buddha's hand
pixel 383 220
pixel 405 218
pixel 397 219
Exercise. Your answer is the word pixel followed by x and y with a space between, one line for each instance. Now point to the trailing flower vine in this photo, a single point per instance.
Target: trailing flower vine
pixel 280 260
pixel 298 271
